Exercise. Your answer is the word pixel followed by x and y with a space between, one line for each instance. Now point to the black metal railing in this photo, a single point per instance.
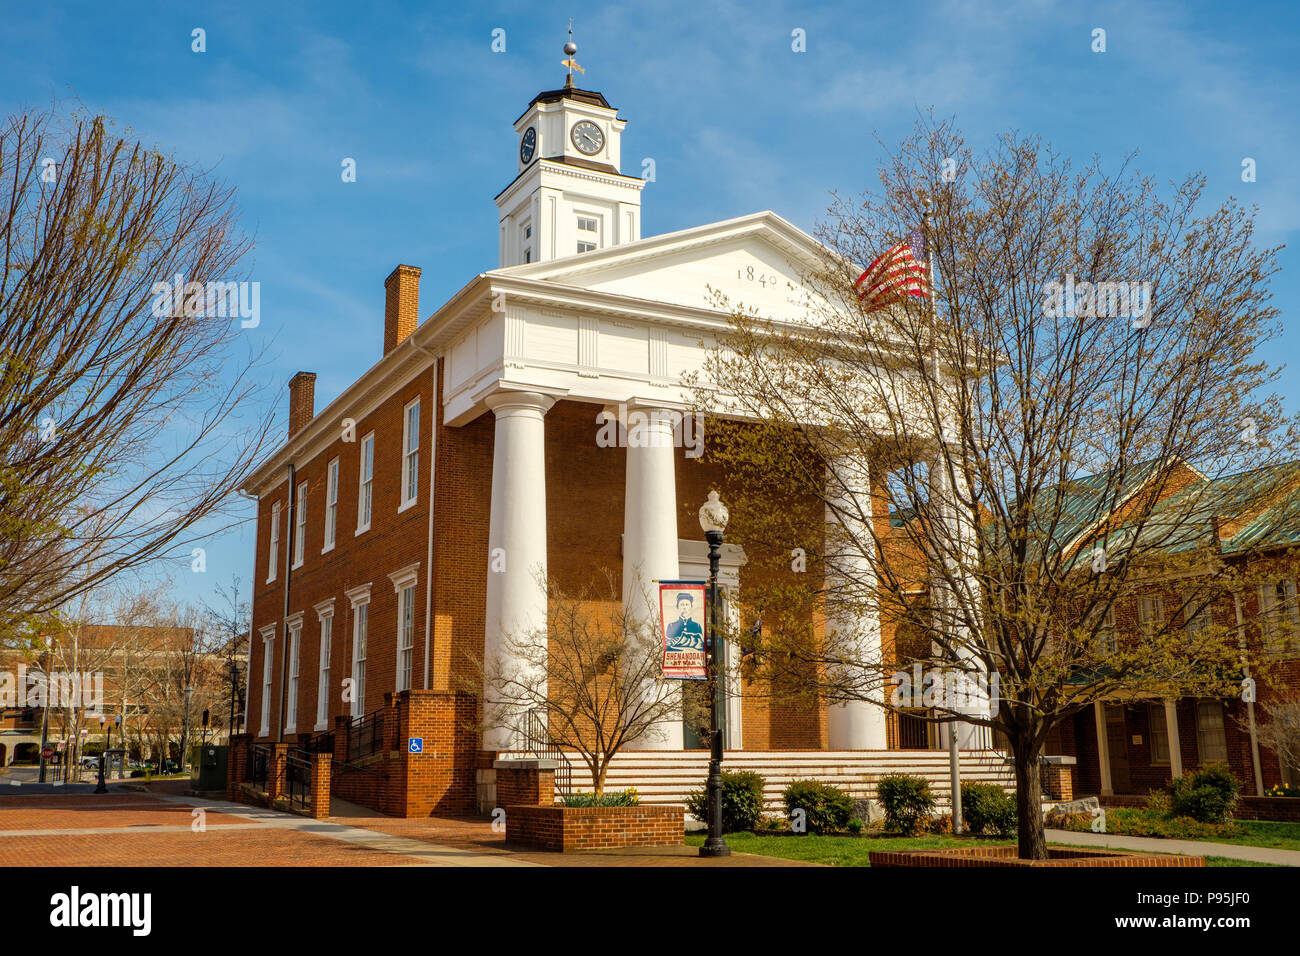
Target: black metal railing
pixel 297 778
pixel 366 735
pixel 321 743
pixel 538 742
pixel 259 763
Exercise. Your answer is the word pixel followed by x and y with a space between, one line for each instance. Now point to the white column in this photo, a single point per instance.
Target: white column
pixel 516 594
pixel 1103 747
pixel 955 540
pixel 853 621
pixel 650 541
pixel 1171 730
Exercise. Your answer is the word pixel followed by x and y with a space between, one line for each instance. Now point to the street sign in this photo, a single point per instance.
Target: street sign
pixel 415 745
pixel 47 753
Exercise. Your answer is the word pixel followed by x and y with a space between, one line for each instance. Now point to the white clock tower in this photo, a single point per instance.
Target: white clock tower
pixel 569 195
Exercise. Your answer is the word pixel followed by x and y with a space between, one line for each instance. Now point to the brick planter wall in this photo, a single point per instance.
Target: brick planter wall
pixel 1006 856
pixel 570 829
pixel 520 785
pixel 1285 809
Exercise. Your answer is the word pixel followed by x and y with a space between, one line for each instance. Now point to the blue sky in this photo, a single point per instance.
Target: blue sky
pixel 734 119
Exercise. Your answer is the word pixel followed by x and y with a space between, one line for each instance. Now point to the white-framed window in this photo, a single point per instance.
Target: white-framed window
pixel 268 649
pixel 360 599
pixel 1197 618
pixel 588 233
pixel 1151 614
pixel 1158 729
pixel 526 241
pixel 331 504
pixel 404 587
pixel 325 612
pixel 1279 613
pixel 295 648
pixel 273 555
pixel 1107 639
pixel 405 636
pixel 410 453
pixel 1210 737
pixel 300 525
pixel 365 494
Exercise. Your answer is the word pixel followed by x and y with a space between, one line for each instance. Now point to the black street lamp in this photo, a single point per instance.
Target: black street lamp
pixel 713 519
pixel 185 728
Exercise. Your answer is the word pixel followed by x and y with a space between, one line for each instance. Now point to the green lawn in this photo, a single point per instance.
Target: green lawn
pixel 1281 836
pixel 852 851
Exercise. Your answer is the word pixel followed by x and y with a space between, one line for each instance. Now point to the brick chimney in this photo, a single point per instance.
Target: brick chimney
pixel 401 305
pixel 302 401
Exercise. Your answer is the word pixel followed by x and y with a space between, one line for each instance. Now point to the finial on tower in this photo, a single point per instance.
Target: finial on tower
pixel 570 49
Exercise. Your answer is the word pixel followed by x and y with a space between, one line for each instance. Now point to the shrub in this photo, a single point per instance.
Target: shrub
pixel 1158 802
pixel 742 802
pixel 941 823
pixel 610 798
pixel 907 802
pixel 826 808
pixel 988 809
pixel 1206 795
pixel 1147 823
pixel 855 826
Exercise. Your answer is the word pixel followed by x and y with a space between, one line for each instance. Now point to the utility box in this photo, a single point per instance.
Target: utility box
pixel 208 770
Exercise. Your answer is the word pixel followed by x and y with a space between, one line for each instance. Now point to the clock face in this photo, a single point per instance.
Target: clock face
pixel 587 137
pixel 528 145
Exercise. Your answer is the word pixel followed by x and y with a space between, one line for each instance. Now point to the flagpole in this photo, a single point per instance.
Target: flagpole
pixel 954 753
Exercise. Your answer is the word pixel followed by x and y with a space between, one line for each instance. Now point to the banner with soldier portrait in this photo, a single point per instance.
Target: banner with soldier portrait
pixel 682 609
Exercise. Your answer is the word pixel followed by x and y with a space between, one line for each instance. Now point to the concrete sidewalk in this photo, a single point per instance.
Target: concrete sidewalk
pixel 429 853
pixel 1255 854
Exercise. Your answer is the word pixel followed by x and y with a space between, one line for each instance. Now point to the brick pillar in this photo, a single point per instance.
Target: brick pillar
pixel 275 773
pixel 320 786
pixel 237 767
pixel 392 717
pixel 1058 781
pixel 341 725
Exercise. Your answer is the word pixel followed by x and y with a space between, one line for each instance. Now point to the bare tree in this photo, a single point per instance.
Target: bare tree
pixel 126 417
pixel 594 673
pixel 982 478
pixel 1281 734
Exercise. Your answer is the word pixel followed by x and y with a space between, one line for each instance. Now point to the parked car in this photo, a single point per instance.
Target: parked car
pixel 91 763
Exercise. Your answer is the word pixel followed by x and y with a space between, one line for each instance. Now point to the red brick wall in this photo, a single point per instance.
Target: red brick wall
pixel 392 542
pixel 570 829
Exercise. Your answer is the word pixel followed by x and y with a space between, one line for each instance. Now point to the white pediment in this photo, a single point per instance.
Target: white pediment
pixel 758 261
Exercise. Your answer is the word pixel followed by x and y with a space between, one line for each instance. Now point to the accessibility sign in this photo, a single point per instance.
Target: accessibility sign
pixel 415 745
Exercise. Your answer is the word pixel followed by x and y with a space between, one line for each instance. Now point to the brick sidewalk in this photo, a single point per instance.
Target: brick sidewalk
pixel 134 828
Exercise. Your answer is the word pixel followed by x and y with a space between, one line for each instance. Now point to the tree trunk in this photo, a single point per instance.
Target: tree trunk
pixel 1029 804
pixel 600 779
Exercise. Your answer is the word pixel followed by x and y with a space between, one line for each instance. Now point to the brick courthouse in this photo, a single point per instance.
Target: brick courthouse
pixel 474 436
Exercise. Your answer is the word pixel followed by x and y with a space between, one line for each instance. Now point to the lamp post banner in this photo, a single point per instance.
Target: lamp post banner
pixel 682 609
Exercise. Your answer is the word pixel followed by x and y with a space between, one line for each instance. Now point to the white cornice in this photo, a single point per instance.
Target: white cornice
pixel 404 577
pixel 359 594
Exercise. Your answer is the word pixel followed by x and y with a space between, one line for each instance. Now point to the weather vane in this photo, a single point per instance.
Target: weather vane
pixel 570 49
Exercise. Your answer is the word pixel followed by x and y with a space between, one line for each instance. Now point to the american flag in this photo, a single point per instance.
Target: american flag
pixel 899 272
